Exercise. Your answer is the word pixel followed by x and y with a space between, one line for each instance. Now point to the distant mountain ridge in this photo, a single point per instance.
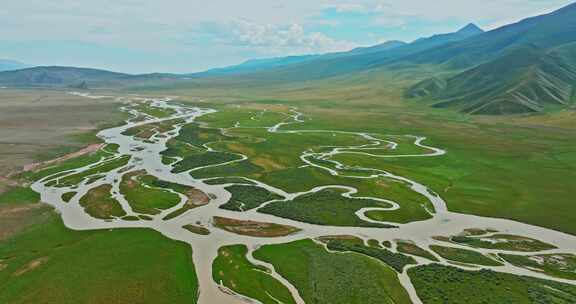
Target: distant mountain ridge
pixel 388 45
pixel 84 78
pixel 9 65
pixel 255 65
pixel 310 67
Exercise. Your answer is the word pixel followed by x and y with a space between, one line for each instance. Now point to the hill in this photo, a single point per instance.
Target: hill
pixel 545 31
pixel 57 76
pixel 386 46
pixel 259 65
pixel 255 65
pixel 524 67
pixel 81 78
pixel 9 65
pixel 525 79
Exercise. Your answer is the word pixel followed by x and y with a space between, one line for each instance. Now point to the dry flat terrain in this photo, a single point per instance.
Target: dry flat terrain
pixel 41 124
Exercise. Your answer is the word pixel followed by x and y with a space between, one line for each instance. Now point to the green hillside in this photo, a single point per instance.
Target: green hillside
pixel 546 31
pixel 525 79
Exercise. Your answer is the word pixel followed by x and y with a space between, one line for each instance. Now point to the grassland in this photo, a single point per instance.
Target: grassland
pixel 68 196
pixel 335 278
pixel 228 180
pixel 248 197
pixel 188 145
pixel 397 261
pixel 19 195
pixel 44 262
pixel 19 210
pixel 493 168
pixel 233 270
pixel 518 167
pixel 203 159
pixel 465 177
pixel 271 162
pixel 253 228
pixel 326 207
pixel 99 203
pixel 154 182
pixel 413 249
pixel 503 242
pixel 274 158
pixel 154 112
pixel 144 199
pixel 195 197
pixel 77 178
pixel 556 265
pixel 197 229
pixel 57 170
pixel 464 256
pixel 449 285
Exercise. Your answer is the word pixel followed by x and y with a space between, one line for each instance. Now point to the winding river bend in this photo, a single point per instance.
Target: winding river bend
pixel 145 155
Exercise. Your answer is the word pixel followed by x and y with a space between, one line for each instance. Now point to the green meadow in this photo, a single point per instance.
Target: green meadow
pixel 438 284
pixel 44 262
pixel 323 277
pixel 233 270
pixel 517 167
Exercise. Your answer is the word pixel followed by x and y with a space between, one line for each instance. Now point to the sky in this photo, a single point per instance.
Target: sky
pixel 182 36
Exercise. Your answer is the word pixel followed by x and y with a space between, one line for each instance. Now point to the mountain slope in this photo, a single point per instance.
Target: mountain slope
pixel 359 59
pixel 525 79
pixel 255 65
pixel 519 68
pixel 545 31
pixel 388 45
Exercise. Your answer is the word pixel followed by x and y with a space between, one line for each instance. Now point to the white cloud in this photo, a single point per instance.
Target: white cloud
pixel 350 7
pixel 390 21
pixel 397 12
pixel 273 38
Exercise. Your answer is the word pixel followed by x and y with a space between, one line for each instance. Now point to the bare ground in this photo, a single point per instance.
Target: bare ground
pixel 43 124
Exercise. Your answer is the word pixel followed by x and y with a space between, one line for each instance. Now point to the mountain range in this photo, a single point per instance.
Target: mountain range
pixel 525 67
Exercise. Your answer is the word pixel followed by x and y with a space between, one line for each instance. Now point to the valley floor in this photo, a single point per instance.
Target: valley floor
pixel 293 202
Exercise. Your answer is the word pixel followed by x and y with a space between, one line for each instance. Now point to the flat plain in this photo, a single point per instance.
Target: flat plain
pixel 321 166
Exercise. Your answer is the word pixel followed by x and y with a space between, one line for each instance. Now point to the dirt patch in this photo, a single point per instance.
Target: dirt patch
pixel 197 198
pixel 240 148
pixel 7 182
pixel 15 218
pixel 30 266
pixel 252 228
pixel 267 164
pixel 197 229
pixel 86 150
pixel 326 239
